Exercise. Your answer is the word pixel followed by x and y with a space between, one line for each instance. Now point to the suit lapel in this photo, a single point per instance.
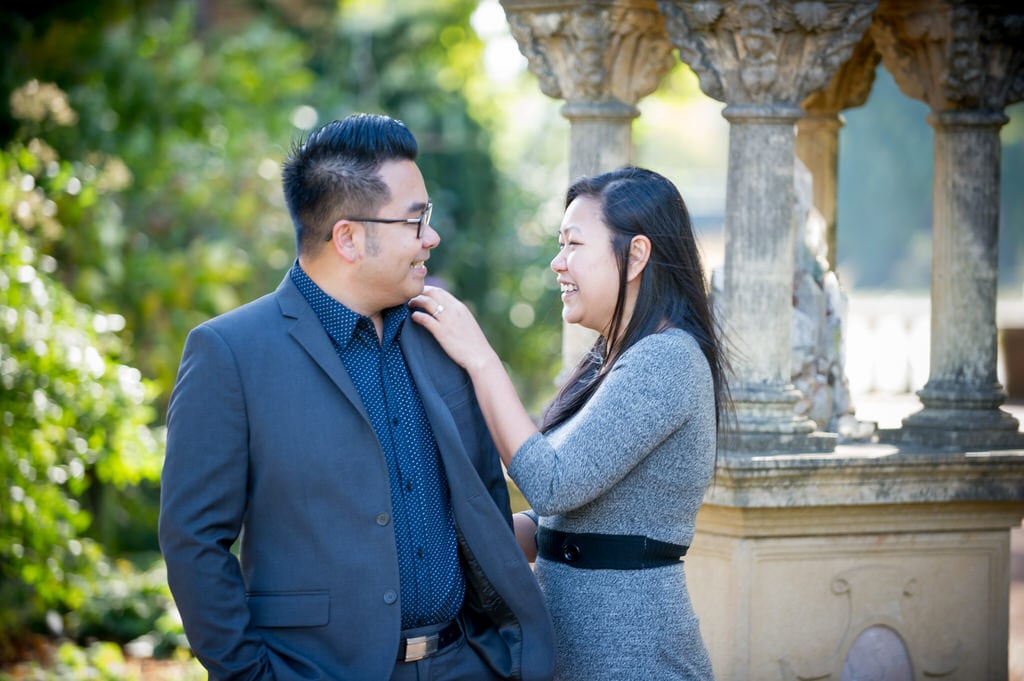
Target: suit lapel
pixel 309 333
pixel 446 433
pixel 433 405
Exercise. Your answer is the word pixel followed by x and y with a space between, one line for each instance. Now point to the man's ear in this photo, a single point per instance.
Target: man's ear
pixel 347 240
pixel 639 254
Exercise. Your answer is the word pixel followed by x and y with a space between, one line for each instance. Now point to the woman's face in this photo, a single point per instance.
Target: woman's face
pixel 585 266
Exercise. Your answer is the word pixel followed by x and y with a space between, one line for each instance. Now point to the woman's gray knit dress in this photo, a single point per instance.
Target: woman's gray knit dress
pixel 636 459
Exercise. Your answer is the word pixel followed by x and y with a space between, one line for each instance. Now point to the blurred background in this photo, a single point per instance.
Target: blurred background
pixel 140 152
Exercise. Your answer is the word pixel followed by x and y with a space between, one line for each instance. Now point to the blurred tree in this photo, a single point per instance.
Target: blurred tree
pixel 180 114
pixel 35 36
pixel 437 84
pixel 74 417
pixel 200 103
pixel 195 133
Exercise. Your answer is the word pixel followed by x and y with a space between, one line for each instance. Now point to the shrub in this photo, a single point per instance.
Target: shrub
pixel 73 418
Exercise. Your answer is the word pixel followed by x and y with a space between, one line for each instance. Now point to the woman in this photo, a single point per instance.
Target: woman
pixel 627 448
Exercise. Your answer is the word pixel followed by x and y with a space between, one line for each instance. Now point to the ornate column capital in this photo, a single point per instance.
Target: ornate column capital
pixel 600 56
pixel 851 84
pixel 765 53
pixel 965 60
pixel 953 54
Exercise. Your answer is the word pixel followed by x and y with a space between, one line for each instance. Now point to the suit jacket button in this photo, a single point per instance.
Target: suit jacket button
pixel 383 519
pixel 390 597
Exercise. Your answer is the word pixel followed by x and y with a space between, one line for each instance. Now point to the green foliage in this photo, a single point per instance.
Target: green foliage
pixel 193 118
pixel 100 662
pixel 127 604
pixel 74 417
pixel 437 85
pixel 141 176
pixel 192 131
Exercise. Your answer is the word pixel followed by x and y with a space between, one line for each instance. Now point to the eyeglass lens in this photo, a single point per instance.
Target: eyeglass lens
pixel 424 219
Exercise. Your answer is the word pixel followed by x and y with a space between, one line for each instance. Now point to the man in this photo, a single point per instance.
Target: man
pixel 337 442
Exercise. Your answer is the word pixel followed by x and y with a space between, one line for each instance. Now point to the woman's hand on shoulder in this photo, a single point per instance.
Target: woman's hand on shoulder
pixel 453 325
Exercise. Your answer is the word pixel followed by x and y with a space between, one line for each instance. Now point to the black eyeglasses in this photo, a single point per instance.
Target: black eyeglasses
pixel 420 222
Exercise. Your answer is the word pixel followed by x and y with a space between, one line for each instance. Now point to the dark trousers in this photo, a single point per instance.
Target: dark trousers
pixel 457 662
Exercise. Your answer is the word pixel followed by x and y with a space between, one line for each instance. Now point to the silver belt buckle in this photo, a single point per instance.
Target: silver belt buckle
pixel 419 647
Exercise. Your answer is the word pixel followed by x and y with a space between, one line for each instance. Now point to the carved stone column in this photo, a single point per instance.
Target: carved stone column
pixel 817 139
pixel 763 58
pixel 966 61
pixel 819 301
pixel 601 57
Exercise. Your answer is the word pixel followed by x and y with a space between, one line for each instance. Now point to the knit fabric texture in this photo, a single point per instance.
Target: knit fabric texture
pixel 636 459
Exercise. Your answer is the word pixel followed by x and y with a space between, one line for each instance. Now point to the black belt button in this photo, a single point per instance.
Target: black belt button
pixel 570 552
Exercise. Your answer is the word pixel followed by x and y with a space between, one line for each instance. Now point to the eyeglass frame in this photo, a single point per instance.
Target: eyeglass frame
pixel 423 219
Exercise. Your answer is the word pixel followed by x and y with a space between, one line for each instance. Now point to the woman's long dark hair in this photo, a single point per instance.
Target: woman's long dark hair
pixel 673 289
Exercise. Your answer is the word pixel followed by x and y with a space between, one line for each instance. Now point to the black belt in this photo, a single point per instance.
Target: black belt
pixel 607 551
pixel 418 647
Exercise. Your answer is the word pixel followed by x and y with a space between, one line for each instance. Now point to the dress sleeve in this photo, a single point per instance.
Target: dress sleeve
pixel 649 394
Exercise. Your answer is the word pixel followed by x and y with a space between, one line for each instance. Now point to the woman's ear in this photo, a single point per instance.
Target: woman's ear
pixel 639 254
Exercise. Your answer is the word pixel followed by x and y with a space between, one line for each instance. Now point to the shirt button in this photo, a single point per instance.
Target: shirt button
pixel 394 421
pixel 390 596
pixel 408 487
pixel 383 519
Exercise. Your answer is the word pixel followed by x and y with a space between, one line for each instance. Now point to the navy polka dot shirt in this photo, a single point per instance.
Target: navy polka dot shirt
pixel 432 583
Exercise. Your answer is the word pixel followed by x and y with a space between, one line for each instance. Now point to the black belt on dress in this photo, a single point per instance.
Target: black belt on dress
pixel 606 551
pixel 418 647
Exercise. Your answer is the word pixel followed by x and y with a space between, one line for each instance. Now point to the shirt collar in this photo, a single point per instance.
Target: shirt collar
pixel 339 321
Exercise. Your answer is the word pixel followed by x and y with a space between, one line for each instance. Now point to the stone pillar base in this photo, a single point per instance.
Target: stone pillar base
pixel 765 422
pixel 747 442
pixel 930 581
pixel 960 428
pixel 870 562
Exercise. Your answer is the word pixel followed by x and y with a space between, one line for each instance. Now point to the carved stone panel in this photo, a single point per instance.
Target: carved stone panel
pixel 800 594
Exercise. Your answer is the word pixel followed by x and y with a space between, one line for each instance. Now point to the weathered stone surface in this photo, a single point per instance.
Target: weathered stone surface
pixel 859 474
pixel 765 52
pixel 817 138
pixel 797 554
pixel 851 84
pixel 601 57
pixel 821 377
pixel 966 61
pixel 609 51
pixel 953 54
pixel 802 556
pixel 785 593
pixel 763 58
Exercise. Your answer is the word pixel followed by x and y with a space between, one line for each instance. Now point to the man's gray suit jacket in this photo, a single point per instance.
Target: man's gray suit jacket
pixel 268 442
